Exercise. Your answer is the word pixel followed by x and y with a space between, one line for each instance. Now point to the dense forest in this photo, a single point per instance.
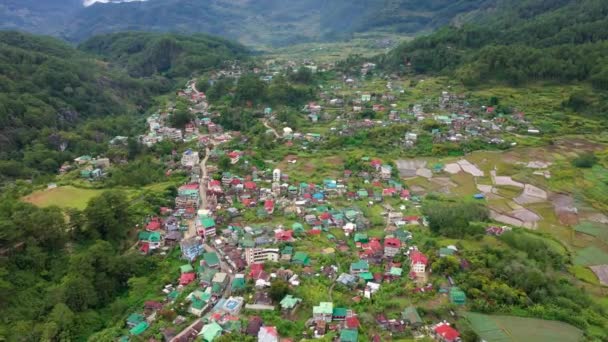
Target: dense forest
pixel 63 282
pixel 57 102
pixel 521 41
pixel 145 54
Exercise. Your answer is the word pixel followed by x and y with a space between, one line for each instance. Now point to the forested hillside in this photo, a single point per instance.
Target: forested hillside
pixel 519 41
pixel 270 22
pixel 57 102
pixel 145 54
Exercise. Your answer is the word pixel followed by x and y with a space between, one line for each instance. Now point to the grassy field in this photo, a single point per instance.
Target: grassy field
pixel 511 328
pixel 63 197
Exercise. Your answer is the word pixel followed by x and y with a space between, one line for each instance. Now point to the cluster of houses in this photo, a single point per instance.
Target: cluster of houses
pixel 89 168
pixel 230 264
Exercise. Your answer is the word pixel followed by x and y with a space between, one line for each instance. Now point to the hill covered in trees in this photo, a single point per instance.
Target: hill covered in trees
pixel 518 41
pixel 145 54
pixel 259 22
pixel 57 102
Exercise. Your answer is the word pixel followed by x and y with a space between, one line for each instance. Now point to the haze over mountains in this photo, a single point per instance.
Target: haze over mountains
pixel 265 22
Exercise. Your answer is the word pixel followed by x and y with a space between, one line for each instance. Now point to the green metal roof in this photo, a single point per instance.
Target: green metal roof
pixel 211 331
pixel 324 308
pixel 211 259
pixel 339 312
pixel 410 314
pixel 186 268
pixel 238 284
pixel 301 258
pixel 139 329
pixel 289 302
pixel 396 271
pixel 347 335
pixel 207 222
pixel 367 276
pixel 360 265
pixel 135 319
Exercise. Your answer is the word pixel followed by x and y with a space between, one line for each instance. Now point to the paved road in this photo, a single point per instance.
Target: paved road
pixel 204 179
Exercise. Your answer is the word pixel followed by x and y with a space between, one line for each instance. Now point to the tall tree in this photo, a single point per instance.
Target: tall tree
pixel 108 215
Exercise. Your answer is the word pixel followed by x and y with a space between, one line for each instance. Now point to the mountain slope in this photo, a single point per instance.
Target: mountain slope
pixel 564 40
pixel 269 22
pixel 146 54
pixel 45 17
pixel 48 89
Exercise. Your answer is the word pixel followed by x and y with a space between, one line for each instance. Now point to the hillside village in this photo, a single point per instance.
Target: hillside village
pixel 257 246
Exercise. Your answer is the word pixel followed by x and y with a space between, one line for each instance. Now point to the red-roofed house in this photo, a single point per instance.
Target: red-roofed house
pixel 389 192
pixel 234 157
pixel 405 194
pixel 445 333
pixel 268 334
pixel 284 235
pixel 412 219
pixel 418 262
pixel 391 247
pixel 373 247
pixel 250 185
pixel 186 278
pixel 154 224
pixel 352 323
pixel 269 206
pixel 376 163
pixel 256 269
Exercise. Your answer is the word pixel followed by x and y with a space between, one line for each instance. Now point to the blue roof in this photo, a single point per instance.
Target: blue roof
pixel 318 195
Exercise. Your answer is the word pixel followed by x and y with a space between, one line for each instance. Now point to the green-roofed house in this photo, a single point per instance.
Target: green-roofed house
pixel 211 260
pixel 211 331
pixel 134 319
pixel 324 311
pixel 238 284
pixel 359 267
pixel 410 316
pixel 446 251
pixel 457 296
pixel 206 226
pixel 187 268
pixel 301 258
pixel 289 303
pixel 362 194
pixel 287 253
pixel 298 228
pixel 139 329
pixel 347 335
pixel 339 314
pixel 367 276
pixel 396 272
pixel 361 237
pixel 198 302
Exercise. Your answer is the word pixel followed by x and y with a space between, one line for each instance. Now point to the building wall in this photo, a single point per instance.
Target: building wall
pixel 261 255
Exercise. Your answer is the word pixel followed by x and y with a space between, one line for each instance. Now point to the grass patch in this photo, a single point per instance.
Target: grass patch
pixel 584 274
pixel 590 256
pixel 511 328
pixel 63 197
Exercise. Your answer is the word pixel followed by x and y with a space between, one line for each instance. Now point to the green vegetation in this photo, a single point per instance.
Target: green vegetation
pixel 515 45
pixel 510 328
pixel 146 54
pixel 63 197
pixel 59 103
pixel 51 292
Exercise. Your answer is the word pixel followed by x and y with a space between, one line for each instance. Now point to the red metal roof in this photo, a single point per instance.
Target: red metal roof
pixel 418 258
pixel 446 332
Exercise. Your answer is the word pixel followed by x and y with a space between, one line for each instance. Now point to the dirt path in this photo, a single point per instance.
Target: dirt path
pixel 276 134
